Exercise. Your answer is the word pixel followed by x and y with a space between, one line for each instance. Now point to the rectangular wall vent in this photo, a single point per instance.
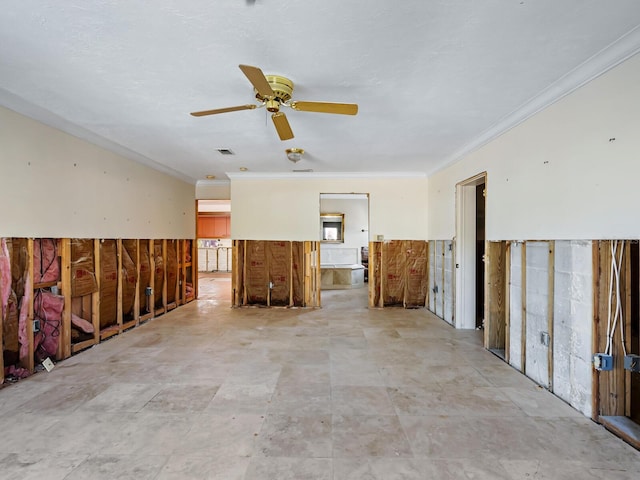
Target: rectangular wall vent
pixel 226 151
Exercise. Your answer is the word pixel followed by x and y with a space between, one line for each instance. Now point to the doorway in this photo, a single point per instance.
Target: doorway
pixel 214 247
pixel 470 251
pixel 344 245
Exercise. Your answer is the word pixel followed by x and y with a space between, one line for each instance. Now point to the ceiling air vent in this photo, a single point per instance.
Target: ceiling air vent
pixel 305 170
pixel 226 151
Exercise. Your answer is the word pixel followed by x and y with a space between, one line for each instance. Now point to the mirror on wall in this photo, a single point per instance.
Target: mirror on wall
pixel 332 227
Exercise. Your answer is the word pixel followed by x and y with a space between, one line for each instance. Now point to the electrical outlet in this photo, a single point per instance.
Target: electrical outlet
pixel 632 363
pixel 36 325
pixel 48 364
pixel 545 339
pixel 603 362
pixel 148 291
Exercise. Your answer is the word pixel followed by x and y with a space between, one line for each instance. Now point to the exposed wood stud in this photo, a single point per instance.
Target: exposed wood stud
pixel 64 344
pixel 550 303
pixel 507 303
pixel 28 363
pixel 95 296
pixel 523 282
pixel 119 313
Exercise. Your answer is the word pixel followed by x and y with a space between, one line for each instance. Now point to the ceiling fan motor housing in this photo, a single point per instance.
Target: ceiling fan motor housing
pixel 283 89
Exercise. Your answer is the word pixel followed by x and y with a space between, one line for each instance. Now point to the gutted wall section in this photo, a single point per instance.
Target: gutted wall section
pixel 551 300
pixel 441 270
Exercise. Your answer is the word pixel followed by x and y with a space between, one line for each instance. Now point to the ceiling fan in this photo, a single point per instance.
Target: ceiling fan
pixel 274 91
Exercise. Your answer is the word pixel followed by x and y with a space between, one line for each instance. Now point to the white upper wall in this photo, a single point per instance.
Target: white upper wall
pixel 558 175
pixel 289 208
pixel 56 185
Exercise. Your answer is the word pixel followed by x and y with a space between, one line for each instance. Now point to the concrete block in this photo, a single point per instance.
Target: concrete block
pixel 515 326
pixel 537 255
pixel 537 280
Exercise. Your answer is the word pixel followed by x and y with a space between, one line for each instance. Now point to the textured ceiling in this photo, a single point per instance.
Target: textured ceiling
pixel 433 79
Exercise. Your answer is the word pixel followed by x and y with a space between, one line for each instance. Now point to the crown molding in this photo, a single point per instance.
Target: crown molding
pixel 321 175
pixel 46 117
pixel 609 57
pixel 212 183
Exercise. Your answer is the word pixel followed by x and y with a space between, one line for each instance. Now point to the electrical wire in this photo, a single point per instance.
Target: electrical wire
pixel 608 346
pixel 624 348
pixel 614 289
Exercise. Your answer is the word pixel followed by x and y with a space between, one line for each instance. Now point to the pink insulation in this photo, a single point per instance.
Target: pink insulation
pixel 22 319
pixel 48 308
pixel 45 260
pixel 5 276
pixel 82 324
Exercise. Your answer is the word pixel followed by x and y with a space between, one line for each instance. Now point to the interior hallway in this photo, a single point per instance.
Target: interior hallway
pixel 342 392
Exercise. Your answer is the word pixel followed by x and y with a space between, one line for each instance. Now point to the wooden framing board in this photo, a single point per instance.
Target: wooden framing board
pixel 149 300
pixel 495 293
pixel 29 363
pixel 374 277
pixel 442 295
pixel 317 289
pixel 608 386
pixel 119 314
pixel 626 279
pixel 163 308
pixel 507 302
pixel 111 329
pixel 523 296
pixel 174 304
pixel 64 344
pixel 125 325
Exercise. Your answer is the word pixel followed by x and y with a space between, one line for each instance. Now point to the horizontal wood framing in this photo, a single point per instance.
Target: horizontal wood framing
pixel 80 261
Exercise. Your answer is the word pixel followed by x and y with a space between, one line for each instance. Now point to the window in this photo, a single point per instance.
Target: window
pixel 332 227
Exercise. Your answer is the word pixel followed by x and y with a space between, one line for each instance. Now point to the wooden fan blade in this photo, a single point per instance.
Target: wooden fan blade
pixel 258 80
pixel 282 126
pixel 326 107
pixel 223 110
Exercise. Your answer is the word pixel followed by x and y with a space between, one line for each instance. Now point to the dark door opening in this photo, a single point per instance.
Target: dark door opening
pixel 480 239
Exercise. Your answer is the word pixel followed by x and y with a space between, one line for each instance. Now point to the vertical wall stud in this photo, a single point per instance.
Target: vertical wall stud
pixel 28 362
pixel 550 303
pixel 507 302
pixel 523 282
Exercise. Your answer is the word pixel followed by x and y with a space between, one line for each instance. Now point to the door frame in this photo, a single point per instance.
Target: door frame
pixel 465 315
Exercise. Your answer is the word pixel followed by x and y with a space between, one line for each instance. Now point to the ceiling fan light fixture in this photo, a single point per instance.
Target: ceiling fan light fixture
pixel 273 105
pixel 294 154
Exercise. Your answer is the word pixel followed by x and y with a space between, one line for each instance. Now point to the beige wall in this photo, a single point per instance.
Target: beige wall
pixel 557 175
pixel 289 208
pixel 56 185
pixel 213 190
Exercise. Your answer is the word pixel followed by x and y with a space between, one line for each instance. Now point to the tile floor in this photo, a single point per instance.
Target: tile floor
pixel 342 392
